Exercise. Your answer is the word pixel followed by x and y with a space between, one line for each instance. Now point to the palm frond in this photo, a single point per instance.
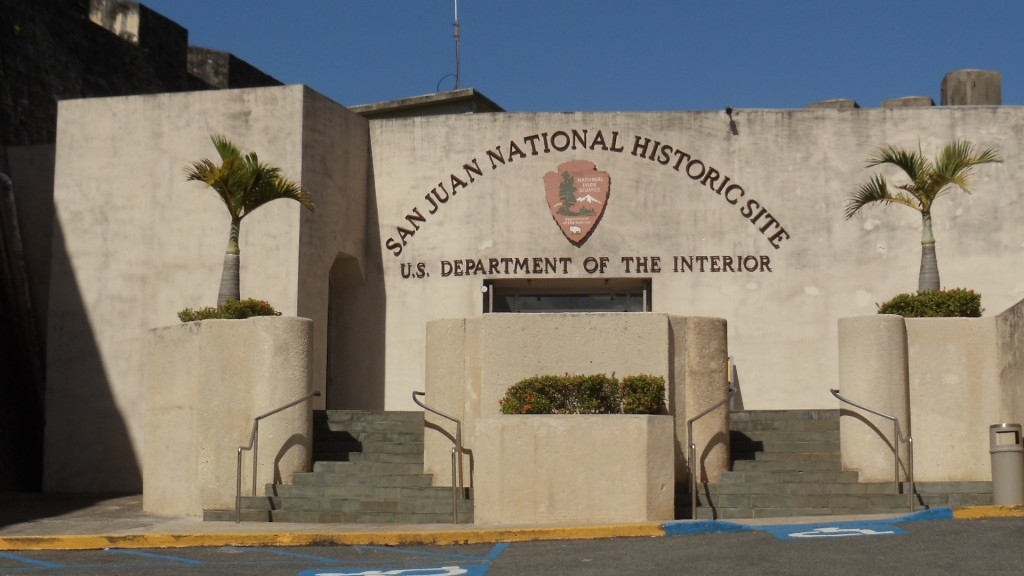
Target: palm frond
pixel 242 182
pixel 876 190
pixel 955 165
pixel 913 164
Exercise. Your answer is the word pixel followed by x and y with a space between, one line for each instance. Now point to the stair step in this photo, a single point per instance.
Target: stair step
pixel 367 458
pixel 796 488
pixel 748 513
pixel 786 465
pixel 790 456
pixel 328 479
pixel 367 468
pixel 851 501
pixel 780 415
pixel 385 505
pixel 765 436
pixel 366 491
pixel 777 477
pixel 372 415
pixel 308 517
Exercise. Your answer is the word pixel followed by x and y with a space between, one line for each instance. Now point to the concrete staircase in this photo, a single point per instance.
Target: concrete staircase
pixel 368 468
pixel 787 463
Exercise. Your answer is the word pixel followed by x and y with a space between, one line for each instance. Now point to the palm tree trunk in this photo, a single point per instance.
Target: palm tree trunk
pixel 229 277
pixel 928 278
pixel 229 280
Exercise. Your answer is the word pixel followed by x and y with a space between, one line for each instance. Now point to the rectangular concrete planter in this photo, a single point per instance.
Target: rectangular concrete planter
pixel 206 382
pixel 573 468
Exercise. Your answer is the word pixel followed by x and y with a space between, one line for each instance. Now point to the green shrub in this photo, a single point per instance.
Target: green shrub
pixel 642 394
pixel 536 395
pixel 595 394
pixel 230 310
pixel 955 303
pixel 585 394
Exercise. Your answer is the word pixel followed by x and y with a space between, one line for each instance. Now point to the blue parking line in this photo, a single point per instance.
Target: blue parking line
pixel 156 556
pixel 686 527
pixel 30 561
pixel 281 552
pixel 494 553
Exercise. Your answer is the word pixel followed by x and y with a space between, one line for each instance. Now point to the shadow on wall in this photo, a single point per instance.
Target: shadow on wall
pixel 26 213
pixel 358 313
pixel 87 446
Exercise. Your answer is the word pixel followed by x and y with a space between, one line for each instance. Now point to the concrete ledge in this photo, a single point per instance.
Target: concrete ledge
pixel 206 382
pixel 976 512
pixel 573 468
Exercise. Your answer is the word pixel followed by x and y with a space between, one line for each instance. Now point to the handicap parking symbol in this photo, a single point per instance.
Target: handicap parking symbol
pixel 832 530
pixel 471 570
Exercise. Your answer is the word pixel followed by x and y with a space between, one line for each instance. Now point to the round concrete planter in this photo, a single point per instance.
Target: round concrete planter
pixel 206 382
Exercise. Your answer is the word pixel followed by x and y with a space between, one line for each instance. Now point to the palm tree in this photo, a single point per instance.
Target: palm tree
pixel 243 184
pixel 927 180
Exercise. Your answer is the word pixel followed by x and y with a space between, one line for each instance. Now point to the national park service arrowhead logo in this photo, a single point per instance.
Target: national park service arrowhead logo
pixel 577 195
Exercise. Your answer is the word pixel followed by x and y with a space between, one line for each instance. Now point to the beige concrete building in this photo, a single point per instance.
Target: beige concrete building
pixel 731 214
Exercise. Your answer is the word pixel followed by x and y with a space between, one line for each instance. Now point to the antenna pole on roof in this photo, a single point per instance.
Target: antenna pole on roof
pixel 458 49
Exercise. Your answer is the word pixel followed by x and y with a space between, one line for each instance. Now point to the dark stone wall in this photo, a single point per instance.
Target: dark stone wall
pixel 51 50
pixel 217 69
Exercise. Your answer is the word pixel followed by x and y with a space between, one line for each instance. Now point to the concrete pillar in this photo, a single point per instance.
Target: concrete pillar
pixel 873 372
pixel 699 365
pixel 972 88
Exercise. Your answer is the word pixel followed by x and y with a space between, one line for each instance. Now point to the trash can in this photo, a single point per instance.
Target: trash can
pixel 1007 452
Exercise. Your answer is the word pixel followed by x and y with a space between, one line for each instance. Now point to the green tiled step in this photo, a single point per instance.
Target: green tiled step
pixel 365 491
pixel 760 457
pixel 788 465
pixel 742 513
pixel 432 505
pixel 848 488
pixel 309 517
pixel 368 467
pixel 775 416
pixel 327 479
pixel 790 476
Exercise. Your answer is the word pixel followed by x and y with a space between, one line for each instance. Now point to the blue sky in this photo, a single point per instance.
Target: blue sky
pixel 603 55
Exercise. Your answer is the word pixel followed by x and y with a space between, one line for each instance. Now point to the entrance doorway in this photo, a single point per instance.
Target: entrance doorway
pixel 568 295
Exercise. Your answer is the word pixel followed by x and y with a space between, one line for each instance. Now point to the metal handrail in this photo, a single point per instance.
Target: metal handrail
pixel 898 439
pixel 693 450
pixel 254 444
pixel 456 454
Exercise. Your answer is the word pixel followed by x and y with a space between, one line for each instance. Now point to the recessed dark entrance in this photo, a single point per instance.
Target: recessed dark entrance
pixel 568 295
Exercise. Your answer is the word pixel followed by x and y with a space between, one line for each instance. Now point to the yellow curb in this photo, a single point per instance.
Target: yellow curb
pixel 439 537
pixel 976 512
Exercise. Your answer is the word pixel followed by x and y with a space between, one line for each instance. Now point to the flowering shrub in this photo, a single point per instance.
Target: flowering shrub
pixel 642 394
pixel 585 394
pixel 230 310
pixel 958 302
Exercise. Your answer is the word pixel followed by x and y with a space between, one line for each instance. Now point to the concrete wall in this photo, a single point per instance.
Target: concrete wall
pixel 800 165
pixel 134 243
pixel 961 376
pixel 205 384
pixel 873 372
pixel 1010 338
pixel 954 396
pixel 473 361
pixel 573 468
